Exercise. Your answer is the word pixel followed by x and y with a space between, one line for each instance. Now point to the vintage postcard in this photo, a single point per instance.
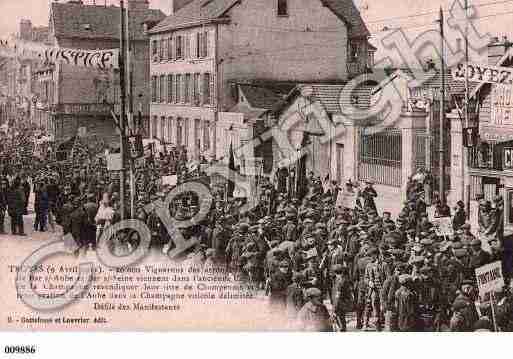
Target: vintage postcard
pixel 264 165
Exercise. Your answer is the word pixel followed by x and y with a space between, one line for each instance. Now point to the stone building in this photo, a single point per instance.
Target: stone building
pixel 82 98
pixel 202 53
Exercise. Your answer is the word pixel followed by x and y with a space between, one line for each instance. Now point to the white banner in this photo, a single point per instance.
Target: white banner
pixel 443 226
pixel 99 59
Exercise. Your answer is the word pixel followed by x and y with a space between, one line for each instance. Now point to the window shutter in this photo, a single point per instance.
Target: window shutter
pixel 187 46
pixel 198 44
pixel 170 48
pixel 206 44
pixel 186 140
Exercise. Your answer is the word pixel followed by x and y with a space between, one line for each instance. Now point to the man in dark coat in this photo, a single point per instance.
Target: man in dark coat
pixel 341 294
pixel 4 188
pixel 16 204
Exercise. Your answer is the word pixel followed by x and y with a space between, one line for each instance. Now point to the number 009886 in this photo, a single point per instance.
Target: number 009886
pixel 20 349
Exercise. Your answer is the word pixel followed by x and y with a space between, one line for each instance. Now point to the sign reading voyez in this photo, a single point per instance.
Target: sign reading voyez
pixel 483 73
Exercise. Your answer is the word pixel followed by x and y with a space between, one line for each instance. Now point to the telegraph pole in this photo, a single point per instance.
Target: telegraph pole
pixel 123 108
pixel 129 72
pixel 466 186
pixel 442 113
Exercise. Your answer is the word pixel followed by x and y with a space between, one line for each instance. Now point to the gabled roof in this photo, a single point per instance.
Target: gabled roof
pixel 261 97
pixel 196 12
pixel 201 11
pixel 329 95
pixel 427 80
pixel 74 20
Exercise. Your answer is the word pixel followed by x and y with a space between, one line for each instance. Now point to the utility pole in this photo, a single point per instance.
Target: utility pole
pixel 122 118
pixel 466 185
pixel 442 113
pixel 129 72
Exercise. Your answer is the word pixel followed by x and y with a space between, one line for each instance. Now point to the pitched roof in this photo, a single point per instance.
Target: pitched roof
pixel 261 97
pixel 329 95
pixel 70 20
pixel 429 81
pixel 196 12
pixel 347 11
pixel 199 11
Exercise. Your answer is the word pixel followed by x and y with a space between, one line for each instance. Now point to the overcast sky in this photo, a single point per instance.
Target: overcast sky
pixel 377 14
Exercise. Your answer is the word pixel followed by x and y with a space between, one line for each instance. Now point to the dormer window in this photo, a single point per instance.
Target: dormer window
pixel 283 8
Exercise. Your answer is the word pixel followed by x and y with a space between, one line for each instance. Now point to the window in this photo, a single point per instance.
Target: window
pixel 283 8
pixel 170 88
pixel 161 49
pixel 170 48
pixel 146 121
pixel 162 88
pixel 178 84
pixel 197 135
pixel 206 135
pixel 354 52
pixel 198 44
pixel 186 132
pixel 170 129
pixel 179 132
pixel 179 47
pixel 195 89
pixel 154 89
pixel 154 47
pixel 162 127
pixel 187 46
pixel 202 44
pixel 154 127
pixel 157 95
pixel 187 90
pixel 206 89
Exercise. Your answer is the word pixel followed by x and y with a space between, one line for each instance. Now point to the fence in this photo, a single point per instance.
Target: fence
pixel 380 158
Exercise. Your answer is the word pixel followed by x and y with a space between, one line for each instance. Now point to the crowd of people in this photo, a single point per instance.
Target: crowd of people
pixel 319 259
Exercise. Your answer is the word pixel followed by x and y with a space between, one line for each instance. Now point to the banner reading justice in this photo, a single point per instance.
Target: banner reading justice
pixel 99 59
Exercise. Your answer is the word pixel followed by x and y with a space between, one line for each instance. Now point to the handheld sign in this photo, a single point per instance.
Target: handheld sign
pixel 114 162
pixel 489 278
pixel 443 226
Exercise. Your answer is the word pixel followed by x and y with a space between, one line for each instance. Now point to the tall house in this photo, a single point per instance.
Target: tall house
pixel 201 52
pixel 82 98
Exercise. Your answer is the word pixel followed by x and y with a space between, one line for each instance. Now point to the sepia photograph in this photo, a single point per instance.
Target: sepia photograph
pixel 256 166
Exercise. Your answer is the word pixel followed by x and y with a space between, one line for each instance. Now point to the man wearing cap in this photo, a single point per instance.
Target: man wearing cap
pixel 465 300
pixel 295 296
pixel 459 215
pixel 314 316
pixel 278 284
pixel 375 275
pixel 467 237
pixel 362 286
pixel 478 256
pixel 368 194
pixel 406 305
pixel 4 187
pixel 341 294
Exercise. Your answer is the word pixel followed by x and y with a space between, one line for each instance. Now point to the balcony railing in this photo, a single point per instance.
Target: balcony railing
pixel 82 108
pixel 487 157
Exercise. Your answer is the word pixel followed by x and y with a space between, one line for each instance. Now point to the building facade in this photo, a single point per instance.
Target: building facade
pixel 81 99
pixel 201 52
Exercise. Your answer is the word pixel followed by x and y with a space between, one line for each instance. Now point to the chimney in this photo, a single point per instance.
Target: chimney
pixel 138 5
pixel 178 4
pixel 26 29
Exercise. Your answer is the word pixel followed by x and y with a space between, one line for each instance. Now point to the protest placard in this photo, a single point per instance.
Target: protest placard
pixel 443 226
pixel 489 278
